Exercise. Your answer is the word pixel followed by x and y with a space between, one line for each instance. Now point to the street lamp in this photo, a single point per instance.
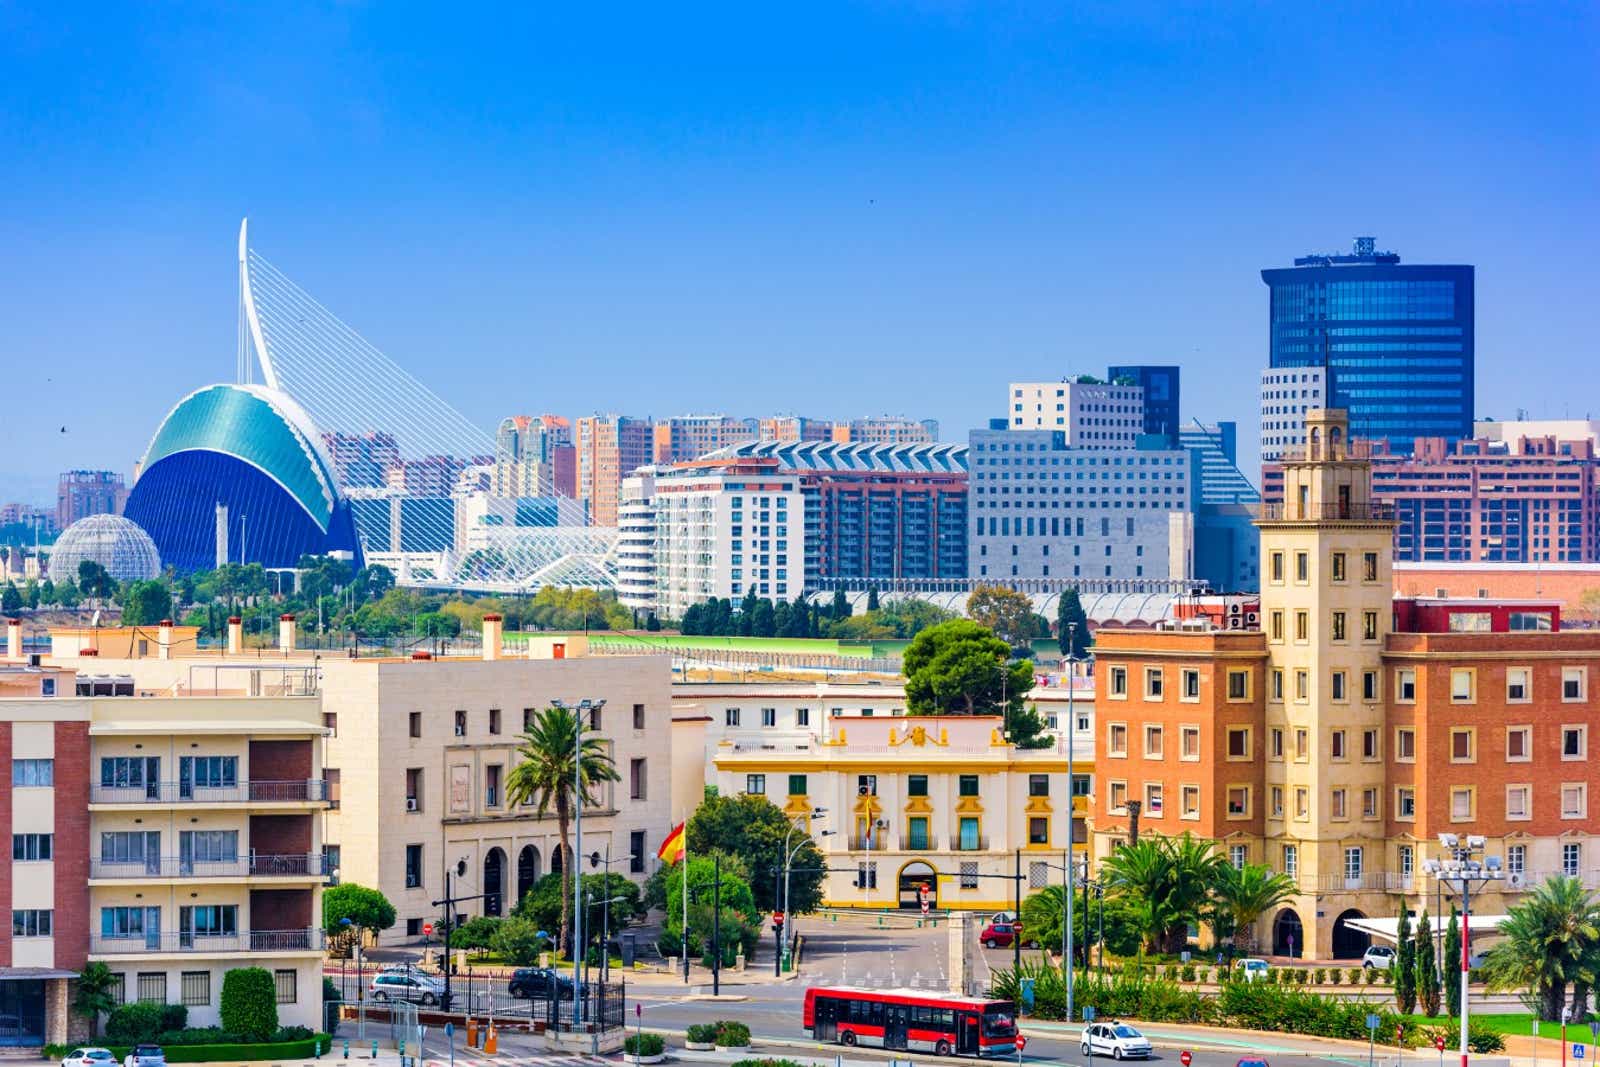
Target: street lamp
pixel 595 860
pixel 361 986
pixel 1072 731
pixel 584 707
pixel 1461 868
pixel 788 857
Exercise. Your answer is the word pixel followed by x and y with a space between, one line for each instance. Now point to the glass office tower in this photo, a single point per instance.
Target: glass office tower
pixel 1395 340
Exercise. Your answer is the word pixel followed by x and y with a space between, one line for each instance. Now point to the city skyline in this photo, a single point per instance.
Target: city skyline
pixel 575 224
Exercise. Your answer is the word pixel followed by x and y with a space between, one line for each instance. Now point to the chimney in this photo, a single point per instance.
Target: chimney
pixel 286 632
pixel 492 625
pixel 164 639
pixel 235 635
pixel 14 639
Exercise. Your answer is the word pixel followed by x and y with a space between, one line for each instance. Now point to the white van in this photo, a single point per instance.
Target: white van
pixel 1252 969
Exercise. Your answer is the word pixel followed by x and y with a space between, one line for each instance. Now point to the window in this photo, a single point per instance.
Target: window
pixel 1277 684
pixel 31 922
pixel 1369 802
pixel 1336 805
pixel 969 876
pixel 413 866
pixel 1516 859
pixel 1238 742
pixel 1238 685
pixel 1338 567
pixel 414 789
pixel 636 852
pixel 1118 797
pixel 1038 785
pixel 802 716
pixel 1405 744
pixel 491 785
pixel 1571 859
pixel 1461 746
pixel 1405 685
pixel 967 784
pixel 1369 566
pixel 461 723
pixel 1277 567
pixel 528 715
pixel 1275 801
pixel 730 716
pixel 1573 681
pixel 31 847
pixel 1574 800
pixel 1117 739
pixel 36 772
pixel 1369 626
pixel 1574 742
pixel 1302 626
pixel 1191 684
pixel 797 785
pixel 195 988
pixel 1302 567
pixel 1338 626
pixel 1038 831
pixel 1152 799
pixel 1369 686
pixel 1238 801
pixel 415 720
pixel 1189 743
pixel 1291 860
pixel 755 784
pixel 1519 744
pixel 637 775
pixel 1530 620
pixel 1302 802
pixel 1518 685
pixel 1353 863
pixel 1154 682
pixel 1519 801
pixel 1369 745
pixel 494 720
pixel 638 716
pixel 209 920
pixel 330 722
pixel 1275 624
pixel 1463 800
pixel 1117 682
pixel 1238 856
pixel 1154 742
pixel 1302 743
pixel 1406 857
pixel 209 846
pixel 1336 745
pixel 153 987
pixel 594 717
pixel 769 716
pixel 1405 802
pixel 1337 690
pixel 1302 684
pixel 1189 802
pixel 1461 685
pixel 287 987
pixel 916 785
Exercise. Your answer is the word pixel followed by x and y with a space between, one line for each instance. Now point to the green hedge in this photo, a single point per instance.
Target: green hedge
pixel 270 1050
pixel 644 1045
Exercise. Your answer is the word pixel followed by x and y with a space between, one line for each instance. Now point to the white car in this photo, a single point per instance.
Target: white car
pixel 417 988
pixel 90 1057
pixel 1378 957
pixel 1253 969
pixel 1117 1040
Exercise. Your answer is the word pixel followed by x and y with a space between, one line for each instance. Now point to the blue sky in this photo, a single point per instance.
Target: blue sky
pixel 832 209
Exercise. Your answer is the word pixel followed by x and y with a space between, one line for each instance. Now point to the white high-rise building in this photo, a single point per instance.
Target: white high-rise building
pixel 636 541
pixel 1092 415
pixel 1287 393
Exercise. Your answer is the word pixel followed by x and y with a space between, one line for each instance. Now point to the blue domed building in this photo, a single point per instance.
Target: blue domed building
pixel 255 452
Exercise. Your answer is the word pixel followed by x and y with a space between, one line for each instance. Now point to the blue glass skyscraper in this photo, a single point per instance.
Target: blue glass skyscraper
pixel 1396 340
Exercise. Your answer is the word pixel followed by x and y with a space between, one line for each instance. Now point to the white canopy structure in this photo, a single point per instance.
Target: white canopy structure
pixel 1388 929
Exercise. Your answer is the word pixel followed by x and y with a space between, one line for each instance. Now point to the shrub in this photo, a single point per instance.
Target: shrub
pixel 1188 969
pixel 134 1023
pixel 1205 974
pixel 1371 975
pixel 732 1034
pixel 644 1045
pixel 1322 975
pixel 1355 976
pixel 59 1052
pixel 701 1033
pixel 1335 975
pixel 249 1003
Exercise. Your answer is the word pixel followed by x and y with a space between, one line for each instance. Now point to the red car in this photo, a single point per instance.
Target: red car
pixel 1002 934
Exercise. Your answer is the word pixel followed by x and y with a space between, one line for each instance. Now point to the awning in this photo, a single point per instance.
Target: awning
pixel 33 974
pixel 1389 929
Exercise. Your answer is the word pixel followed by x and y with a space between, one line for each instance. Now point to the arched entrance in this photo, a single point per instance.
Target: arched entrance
pixel 557 857
pixel 1288 938
pixel 527 871
pixel 918 881
pixel 1348 942
pixel 494 882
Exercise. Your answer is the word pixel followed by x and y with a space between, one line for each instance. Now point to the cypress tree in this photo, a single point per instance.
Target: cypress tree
pixel 1451 960
pixel 872 598
pixel 1427 976
pixel 1405 963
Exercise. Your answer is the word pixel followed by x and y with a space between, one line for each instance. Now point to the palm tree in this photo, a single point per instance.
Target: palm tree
pixel 1244 894
pixel 1168 880
pixel 549 761
pixel 1551 939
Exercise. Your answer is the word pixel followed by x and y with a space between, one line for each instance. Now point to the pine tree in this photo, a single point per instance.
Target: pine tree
pixel 1405 967
pixel 872 602
pixel 1452 958
pixel 1427 976
pixel 1069 610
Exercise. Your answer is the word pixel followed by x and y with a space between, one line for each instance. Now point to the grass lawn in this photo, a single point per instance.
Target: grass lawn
pixel 1516 1022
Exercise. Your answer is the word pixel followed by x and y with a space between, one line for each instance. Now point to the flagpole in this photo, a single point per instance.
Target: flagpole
pixel 685 843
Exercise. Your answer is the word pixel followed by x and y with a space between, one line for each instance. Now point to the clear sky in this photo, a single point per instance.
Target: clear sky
pixel 830 209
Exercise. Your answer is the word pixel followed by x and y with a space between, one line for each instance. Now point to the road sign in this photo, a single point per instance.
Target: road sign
pixel 1439 1042
pixel 1373 1022
pixel 1594 1027
pixel 777 918
pixel 427 929
pixel 638 1010
pixel 1186 1057
pixel 1022 1042
pixel 1088 1013
pixel 1577 1052
pixel 449 1029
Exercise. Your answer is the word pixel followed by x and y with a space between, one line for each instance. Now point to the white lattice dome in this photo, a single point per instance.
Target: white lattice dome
pixel 116 543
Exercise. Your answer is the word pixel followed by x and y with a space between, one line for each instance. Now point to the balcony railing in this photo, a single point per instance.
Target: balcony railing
pixel 1294 511
pixel 260 865
pixel 927 843
pixel 869 843
pixel 254 791
pixel 978 844
pixel 309 940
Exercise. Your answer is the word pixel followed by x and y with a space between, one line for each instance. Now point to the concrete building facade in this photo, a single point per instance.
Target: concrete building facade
pixel 610 447
pixel 1091 415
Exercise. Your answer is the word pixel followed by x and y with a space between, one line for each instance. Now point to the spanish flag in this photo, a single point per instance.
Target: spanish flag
pixel 671 849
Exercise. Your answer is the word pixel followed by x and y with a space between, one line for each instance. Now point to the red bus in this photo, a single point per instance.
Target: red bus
pixel 912 1020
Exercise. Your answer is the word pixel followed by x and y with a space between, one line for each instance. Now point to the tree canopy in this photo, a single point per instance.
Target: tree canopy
pixel 754 829
pixel 961 668
pixel 1007 614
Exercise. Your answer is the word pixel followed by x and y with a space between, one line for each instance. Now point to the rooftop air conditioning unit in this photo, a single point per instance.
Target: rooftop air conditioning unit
pixel 862 791
pixel 1516 880
pixel 411 803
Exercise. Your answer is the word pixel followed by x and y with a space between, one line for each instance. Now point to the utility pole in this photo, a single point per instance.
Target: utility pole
pixel 1016 934
pixel 716 926
pixel 1072 801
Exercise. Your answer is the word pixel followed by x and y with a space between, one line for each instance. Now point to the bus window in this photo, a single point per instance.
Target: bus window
pixel 997 1021
pixel 877 1013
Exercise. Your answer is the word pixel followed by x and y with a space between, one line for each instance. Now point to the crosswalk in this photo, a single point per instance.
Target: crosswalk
pixel 522 1060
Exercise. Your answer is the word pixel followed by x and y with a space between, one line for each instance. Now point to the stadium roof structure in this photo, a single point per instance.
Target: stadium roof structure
pixel 862 456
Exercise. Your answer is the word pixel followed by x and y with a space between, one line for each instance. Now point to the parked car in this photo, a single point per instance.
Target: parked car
pixel 1252 969
pixel 1003 917
pixel 1117 1040
pixel 413 987
pixel 1252 1063
pixel 145 1056
pixel 1378 957
pixel 535 983
pixel 90 1057
pixel 1001 934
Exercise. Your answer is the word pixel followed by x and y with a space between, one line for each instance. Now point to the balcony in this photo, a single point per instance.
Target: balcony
pixel 259 865
pixel 309 940
pixel 294 791
pixel 926 843
pixel 1294 511
pixel 869 843
pixel 979 844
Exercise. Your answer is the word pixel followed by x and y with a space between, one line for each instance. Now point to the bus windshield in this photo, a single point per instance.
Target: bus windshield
pixel 998 1021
